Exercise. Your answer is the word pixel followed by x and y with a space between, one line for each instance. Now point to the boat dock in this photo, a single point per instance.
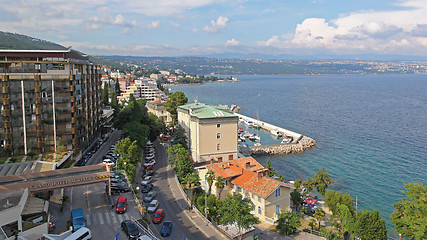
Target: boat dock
pixel 269 127
pixel 299 142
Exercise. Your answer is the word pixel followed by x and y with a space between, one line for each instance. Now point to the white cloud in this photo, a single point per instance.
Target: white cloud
pixel 153 24
pixel 175 24
pixel 232 42
pixel 394 31
pixel 97 23
pixel 217 25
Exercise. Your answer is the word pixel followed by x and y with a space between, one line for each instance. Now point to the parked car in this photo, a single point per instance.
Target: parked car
pixel 150 196
pixel 153 206
pixel 146 188
pixel 118 181
pixel 166 229
pixel 147 180
pixel 121 205
pixel 119 188
pixel 149 168
pixel 108 162
pixel 130 229
pixel 150 163
pixel 148 173
pixel 158 216
pixel 149 157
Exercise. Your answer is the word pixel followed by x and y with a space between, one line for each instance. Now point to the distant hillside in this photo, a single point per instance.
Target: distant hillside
pixel 22 42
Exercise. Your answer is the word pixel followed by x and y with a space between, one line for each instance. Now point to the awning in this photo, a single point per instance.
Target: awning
pixel 310 201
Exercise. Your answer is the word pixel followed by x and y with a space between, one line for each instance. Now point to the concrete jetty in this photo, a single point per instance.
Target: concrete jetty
pixel 299 142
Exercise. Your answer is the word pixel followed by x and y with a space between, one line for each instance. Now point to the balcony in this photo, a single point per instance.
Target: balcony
pixel 40 144
pixel 39 133
pixel 39 110
pixel 5 90
pixel 6 113
pixel 72 88
pixel 37 88
pixel 6 101
pixel 8 135
pixel 73 120
pixel 39 122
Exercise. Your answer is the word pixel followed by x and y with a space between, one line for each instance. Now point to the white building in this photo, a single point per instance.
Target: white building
pixel 142 90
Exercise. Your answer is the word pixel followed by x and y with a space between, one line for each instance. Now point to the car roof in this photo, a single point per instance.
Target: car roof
pixel 160 210
pixel 121 199
pixel 154 201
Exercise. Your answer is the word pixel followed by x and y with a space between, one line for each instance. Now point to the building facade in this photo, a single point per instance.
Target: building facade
pixel 142 90
pixel 157 107
pixel 249 178
pixel 48 98
pixel 211 132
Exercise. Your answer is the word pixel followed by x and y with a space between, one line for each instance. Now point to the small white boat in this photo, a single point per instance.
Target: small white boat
pixel 276 133
pixel 286 140
pixel 255 137
pixel 249 123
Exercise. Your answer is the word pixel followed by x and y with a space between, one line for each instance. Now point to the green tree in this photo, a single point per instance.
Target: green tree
pixel 129 153
pixel 179 136
pixel 332 198
pixel 237 210
pixel 175 99
pixel 410 214
pixel 219 184
pixel 179 159
pixel 320 181
pixel 117 87
pixel 115 102
pixel 288 223
pixel 369 225
pixel 270 169
pixel 210 177
pixel 319 215
pixel 104 94
pixel 190 182
pixel 296 199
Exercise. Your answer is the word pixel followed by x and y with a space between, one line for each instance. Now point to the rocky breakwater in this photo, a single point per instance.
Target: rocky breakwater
pixel 303 144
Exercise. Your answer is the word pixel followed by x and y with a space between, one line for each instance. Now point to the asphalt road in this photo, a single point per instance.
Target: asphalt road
pixel 183 226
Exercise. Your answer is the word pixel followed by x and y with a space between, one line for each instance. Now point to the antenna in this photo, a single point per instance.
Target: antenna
pixel 195 100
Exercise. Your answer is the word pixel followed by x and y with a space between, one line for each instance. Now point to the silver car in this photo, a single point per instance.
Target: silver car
pixel 150 196
pixel 153 206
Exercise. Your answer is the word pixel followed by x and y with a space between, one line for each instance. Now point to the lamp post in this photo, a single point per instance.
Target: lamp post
pixel 125 166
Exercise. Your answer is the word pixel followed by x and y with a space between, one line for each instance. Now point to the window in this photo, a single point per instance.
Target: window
pixel 218 135
pixel 219 159
pixel 218 125
pixel 253 195
pixel 218 147
pixel 259 199
pixel 278 192
pixel 259 210
pixel 277 209
pixel 239 189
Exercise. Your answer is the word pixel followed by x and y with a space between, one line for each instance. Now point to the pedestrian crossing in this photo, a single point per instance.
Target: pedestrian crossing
pixel 106 218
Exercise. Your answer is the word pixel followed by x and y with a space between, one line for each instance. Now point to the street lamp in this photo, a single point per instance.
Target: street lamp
pixel 125 166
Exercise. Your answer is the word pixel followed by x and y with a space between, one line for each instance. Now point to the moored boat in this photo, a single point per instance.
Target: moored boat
pixel 276 132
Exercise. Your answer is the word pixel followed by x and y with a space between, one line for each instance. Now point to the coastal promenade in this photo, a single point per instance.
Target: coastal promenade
pixel 299 142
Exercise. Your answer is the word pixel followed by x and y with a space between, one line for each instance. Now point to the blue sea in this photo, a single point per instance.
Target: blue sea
pixel 371 130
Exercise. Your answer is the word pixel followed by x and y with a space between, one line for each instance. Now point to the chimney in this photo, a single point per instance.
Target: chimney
pixel 248 165
pixel 266 172
pixel 211 161
pixel 259 175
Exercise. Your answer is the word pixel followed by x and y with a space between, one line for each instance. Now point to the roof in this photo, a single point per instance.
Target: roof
pixel 262 186
pixel 201 110
pixel 234 167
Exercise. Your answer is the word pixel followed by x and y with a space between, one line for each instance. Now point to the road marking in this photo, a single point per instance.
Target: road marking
pixel 94 219
pixel 88 219
pixel 120 217
pixel 113 217
pixel 107 219
pixel 101 220
pixel 126 215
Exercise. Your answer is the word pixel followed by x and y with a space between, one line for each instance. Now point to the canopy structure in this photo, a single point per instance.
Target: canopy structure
pixel 310 201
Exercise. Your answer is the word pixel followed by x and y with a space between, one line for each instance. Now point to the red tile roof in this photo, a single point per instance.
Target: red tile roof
pixel 234 167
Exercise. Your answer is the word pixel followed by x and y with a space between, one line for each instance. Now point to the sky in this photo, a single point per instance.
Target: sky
pixel 203 27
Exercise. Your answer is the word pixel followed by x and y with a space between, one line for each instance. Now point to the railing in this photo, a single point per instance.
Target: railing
pixel 146 230
pixel 313 232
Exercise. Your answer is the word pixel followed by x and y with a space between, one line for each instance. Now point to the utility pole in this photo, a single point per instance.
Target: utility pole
pixel 356 206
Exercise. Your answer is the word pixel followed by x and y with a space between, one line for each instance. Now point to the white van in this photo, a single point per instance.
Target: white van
pixel 81 234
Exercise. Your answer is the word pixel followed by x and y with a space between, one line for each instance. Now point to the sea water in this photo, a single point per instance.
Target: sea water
pixel 371 130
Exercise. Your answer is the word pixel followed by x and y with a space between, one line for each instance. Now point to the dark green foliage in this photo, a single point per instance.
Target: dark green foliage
pixel 179 158
pixel 179 136
pixel 410 214
pixel 288 223
pixel 369 225
pixel 320 181
pixel 18 41
pixel 296 199
pixel 270 169
pixel 332 198
pixel 236 210
pixel 117 87
pixel 105 94
pixel 175 99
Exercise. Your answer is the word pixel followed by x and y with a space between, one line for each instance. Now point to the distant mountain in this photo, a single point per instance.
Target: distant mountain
pixel 21 42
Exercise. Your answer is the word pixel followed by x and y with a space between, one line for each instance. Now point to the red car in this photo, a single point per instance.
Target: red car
pixel 158 216
pixel 151 167
pixel 121 205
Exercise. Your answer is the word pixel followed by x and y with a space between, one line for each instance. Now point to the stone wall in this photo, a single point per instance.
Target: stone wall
pixel 303 144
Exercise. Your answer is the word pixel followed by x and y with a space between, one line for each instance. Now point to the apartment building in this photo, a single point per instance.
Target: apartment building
pixel 142 90
pixel 211 132
pixel 157 107
pixel 249 178
pixel 49 98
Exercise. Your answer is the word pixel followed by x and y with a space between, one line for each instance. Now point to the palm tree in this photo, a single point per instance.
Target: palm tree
pixel 191 181
pixel 210 177
pixel 320 215
pixel 220 184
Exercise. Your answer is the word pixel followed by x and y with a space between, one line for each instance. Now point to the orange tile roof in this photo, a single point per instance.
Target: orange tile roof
pixel 234 167
pixel 262 186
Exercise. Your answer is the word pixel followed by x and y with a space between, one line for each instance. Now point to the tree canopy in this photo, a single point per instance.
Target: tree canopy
pixel 175 99
pixel 320 181
pixel 410 214
pixel 237 210
pixel 179 158
pixel 288 223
